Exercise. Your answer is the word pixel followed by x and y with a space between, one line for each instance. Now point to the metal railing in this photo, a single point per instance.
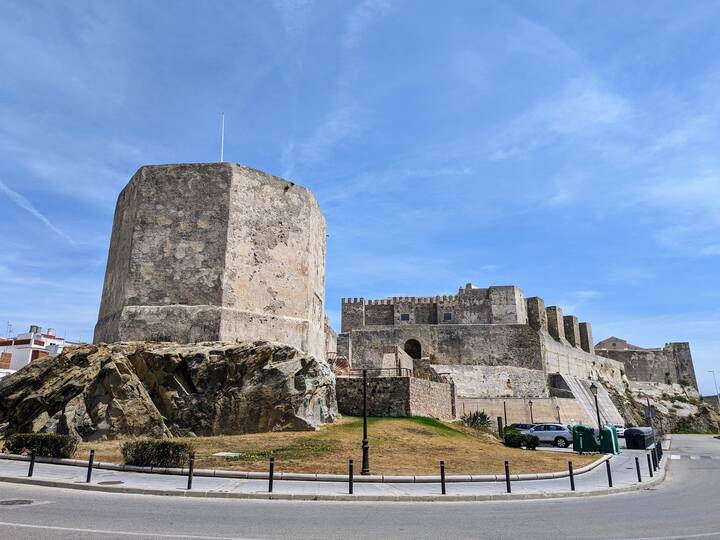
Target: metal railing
pixel 383 372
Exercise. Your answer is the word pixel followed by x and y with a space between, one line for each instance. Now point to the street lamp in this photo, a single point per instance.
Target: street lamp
pixel 531 414
pixel 717 394
pixel 365 444
pixel 594 391
pixel 557 408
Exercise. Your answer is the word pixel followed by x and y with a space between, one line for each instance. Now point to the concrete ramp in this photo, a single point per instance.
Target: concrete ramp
pixel 581 390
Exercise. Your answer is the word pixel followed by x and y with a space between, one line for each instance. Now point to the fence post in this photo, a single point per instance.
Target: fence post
pixel 507 476
pixel 191 468
pixel 272 473
pixel 32 463
pixel 609 473
pixel 350 477
pixel 649 465
pixel 90 466
pixel 637 468
pixel 572 477
pixel 442 477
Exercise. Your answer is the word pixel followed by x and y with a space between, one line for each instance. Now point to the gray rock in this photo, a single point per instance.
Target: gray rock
pixel 148 389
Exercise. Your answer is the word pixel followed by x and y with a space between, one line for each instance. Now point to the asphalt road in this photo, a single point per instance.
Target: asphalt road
pixel 686 505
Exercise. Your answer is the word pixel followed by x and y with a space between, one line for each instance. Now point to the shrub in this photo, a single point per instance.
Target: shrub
pixel 531 441
pixel 44 444
pixel 476 419
pixel 156 453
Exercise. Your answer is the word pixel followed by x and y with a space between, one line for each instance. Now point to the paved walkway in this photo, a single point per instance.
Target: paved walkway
pixel 592 482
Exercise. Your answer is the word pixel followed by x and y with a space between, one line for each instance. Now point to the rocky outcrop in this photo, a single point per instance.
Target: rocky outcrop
pixel 150 389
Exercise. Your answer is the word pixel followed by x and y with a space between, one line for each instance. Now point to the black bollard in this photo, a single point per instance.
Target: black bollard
pixel 350 477
pixel 572 476
pixel 191 467
pixel 609 473
pixel 637 468
pixel 649 465
pixel 507 476
pixel 90 466
pixel 272 473
pixel 442 477
pixel 659 451
pixel 32 463
pixel 653 455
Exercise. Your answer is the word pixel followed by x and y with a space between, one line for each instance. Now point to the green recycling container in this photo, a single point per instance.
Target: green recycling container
pixel 584 439
pixel 609 443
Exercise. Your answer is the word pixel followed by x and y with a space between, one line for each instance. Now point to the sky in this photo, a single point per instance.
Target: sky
pixel 569 148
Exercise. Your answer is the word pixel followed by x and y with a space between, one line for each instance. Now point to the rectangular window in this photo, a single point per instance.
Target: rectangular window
pixel 404 316
pixel 447 316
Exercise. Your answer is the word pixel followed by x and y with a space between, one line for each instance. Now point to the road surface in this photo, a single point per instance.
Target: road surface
pixel 686 505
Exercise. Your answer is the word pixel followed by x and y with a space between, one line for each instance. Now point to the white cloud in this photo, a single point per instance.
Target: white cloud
pixel 360 19
pixel 26 205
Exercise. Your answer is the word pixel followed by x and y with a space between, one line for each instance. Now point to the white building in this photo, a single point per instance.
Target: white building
pixel 19 351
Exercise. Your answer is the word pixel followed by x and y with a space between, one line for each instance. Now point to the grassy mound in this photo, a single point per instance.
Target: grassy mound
pixel 397 446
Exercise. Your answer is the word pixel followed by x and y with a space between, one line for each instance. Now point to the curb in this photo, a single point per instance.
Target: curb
pixel 318 477
pixel 333 497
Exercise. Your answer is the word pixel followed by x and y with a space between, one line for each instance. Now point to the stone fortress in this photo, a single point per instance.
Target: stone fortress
pixel 503 353
pixel 215 252
pixel 222 252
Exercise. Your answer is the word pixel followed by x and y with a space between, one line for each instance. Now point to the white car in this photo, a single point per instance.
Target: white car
pixel 620 430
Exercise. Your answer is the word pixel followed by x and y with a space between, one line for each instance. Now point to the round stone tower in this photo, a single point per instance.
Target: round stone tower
pixel 215 252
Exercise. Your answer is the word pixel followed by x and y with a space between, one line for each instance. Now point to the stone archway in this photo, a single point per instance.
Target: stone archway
pixel 413 349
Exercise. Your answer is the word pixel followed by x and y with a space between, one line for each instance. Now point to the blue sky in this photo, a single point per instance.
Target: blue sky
pixel 569 148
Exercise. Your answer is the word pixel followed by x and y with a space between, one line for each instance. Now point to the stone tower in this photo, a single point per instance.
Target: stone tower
pixel 215 251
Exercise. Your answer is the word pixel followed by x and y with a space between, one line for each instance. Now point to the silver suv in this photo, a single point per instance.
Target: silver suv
pixel 558 434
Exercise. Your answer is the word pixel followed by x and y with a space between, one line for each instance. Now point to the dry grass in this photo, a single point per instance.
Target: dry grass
pixel 397 446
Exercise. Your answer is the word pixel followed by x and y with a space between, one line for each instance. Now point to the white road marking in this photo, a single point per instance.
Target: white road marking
pixel 121 533
pixel 699 535
pixel 675 457
pixel 694 457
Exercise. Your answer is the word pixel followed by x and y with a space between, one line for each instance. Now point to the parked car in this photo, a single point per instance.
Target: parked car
pixel 522 428
pixel 620 430
pixel 558 434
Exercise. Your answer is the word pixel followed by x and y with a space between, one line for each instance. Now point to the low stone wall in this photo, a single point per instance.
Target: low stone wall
pixel 395 396
pixel 518 409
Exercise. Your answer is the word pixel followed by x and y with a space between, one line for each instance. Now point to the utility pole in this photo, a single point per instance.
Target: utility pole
pixel 717 393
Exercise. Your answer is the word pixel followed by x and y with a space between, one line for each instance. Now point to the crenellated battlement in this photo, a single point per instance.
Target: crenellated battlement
pixel 353 300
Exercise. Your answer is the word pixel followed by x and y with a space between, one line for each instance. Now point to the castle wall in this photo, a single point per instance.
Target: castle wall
pixel 561 358
pixel 671 364
pixel 572 330
pixel 215 252
pixel 545 410
pixel 495 381
pixel 513 345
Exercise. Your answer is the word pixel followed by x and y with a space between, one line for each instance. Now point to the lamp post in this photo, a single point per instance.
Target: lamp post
pixel 532 421
pixel 594 391
pixel 365 445
pixel 717 394
pixel 505 413
pixel 557 408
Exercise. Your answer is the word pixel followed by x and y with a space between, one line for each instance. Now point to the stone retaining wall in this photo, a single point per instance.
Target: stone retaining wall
pixel 396 396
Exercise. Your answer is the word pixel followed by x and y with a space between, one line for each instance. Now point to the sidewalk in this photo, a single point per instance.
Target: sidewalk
pixel 594 482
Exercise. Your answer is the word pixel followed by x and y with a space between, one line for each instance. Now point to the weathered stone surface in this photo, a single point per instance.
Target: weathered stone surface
pixel 141 389
pixel 215 252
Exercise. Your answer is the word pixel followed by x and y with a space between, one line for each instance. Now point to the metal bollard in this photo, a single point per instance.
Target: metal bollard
pixel 572 476
pixel 442 477
pixel 32 463
pixel 649 465
pixel 191 467
pixel 637 468
pixel 90 466
pixel 609 473
pixel 653 455
pixel 507 476
pixel 659 450
pixel 272 473
pixel 350 477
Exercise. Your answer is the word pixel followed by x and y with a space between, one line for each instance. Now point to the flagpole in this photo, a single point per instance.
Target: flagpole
pixel 222 137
